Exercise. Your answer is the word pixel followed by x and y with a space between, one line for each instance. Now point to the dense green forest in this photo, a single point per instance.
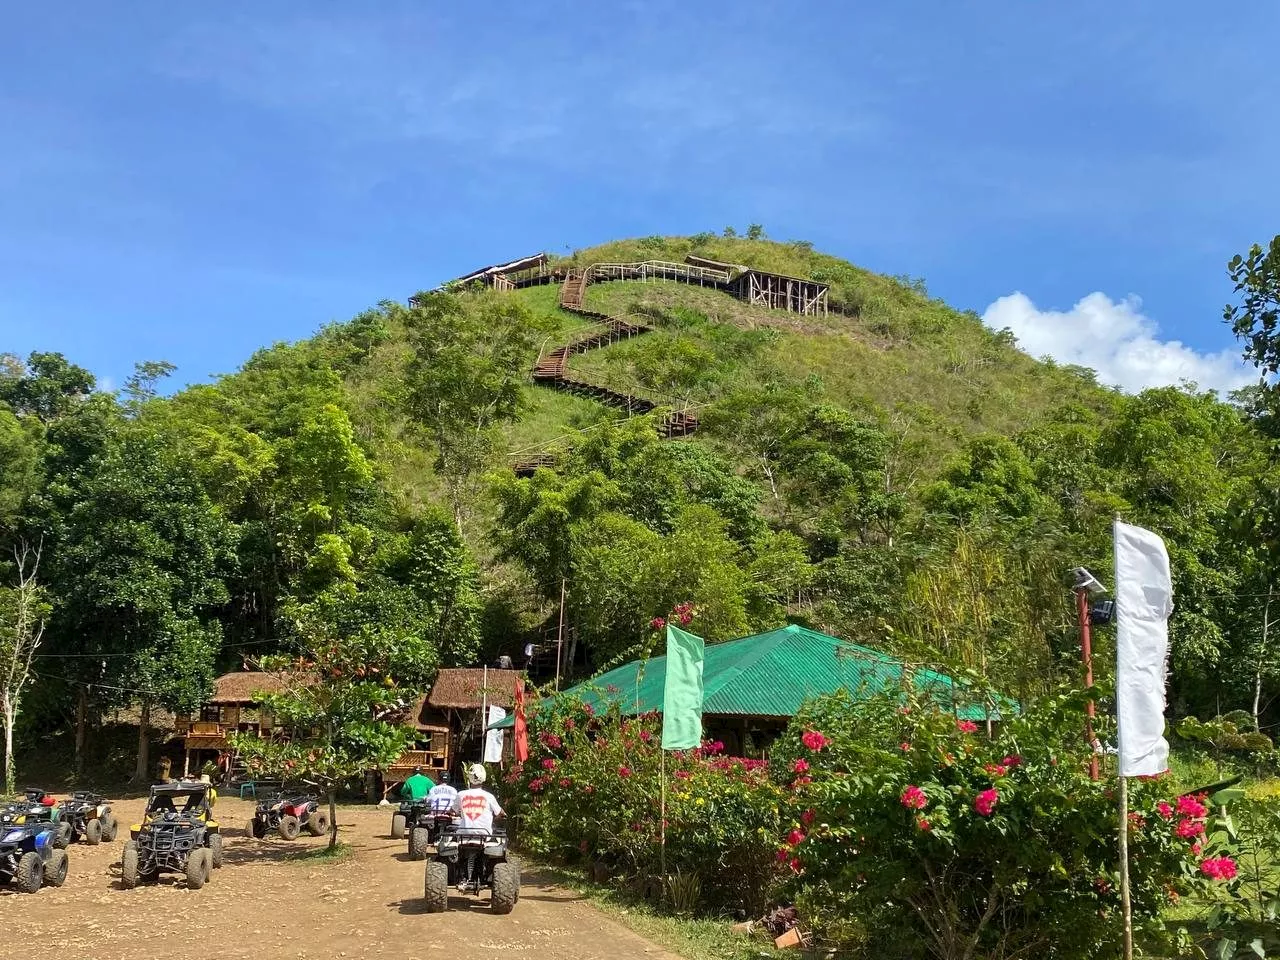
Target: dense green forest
pixel 894 473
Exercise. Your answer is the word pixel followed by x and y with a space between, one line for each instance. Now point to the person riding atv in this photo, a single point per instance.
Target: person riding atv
pixel 472 853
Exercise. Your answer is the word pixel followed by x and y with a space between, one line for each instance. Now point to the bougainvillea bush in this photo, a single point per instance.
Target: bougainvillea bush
pixel 919 835
pixel 591 790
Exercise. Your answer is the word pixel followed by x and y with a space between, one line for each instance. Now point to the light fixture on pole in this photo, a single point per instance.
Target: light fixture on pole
pixel 1085 584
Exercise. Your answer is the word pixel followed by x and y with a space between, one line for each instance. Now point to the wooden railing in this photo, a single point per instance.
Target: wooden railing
pixel 657 270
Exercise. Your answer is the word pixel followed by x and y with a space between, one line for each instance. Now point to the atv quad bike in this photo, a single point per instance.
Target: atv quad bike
pixel 37 806
pixel 89 817
pixel 289 815
pixel 472 860
pixel 178 834
pixel 425 821
pixel 29 859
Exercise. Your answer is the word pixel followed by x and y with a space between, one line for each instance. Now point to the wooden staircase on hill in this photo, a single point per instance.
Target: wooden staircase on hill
pixel 552 369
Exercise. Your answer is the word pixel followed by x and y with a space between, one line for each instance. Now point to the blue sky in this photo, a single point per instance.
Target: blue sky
pixel 189 182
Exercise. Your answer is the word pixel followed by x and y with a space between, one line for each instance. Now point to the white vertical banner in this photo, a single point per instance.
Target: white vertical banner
pixel 1144 600
pixel 493 739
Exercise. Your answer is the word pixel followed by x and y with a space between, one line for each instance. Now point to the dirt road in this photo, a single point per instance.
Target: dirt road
pixel 266 902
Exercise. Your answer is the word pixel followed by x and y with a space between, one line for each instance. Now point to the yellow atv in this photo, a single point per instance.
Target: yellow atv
pixel 178 833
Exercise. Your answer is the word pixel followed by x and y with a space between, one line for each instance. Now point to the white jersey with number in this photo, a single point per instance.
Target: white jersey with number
pixel 440 798
pixel 477 808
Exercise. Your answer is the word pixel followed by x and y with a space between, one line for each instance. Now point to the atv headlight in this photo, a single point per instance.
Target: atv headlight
pixel 13 836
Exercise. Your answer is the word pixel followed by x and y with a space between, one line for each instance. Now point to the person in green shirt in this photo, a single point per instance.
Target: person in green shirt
pixel 417 786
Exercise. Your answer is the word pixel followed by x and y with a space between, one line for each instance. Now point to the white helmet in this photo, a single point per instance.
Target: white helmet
pixel 476 775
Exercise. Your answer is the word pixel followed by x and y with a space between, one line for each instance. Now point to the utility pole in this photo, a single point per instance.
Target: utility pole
pixel 560 634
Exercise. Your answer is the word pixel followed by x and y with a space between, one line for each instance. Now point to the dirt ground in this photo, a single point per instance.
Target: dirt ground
pixel 267 902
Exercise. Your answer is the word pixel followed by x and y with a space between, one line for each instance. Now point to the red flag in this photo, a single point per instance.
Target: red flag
pixel 522 730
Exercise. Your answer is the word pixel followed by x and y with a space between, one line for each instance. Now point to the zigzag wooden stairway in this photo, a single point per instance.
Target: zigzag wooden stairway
pixel 552 369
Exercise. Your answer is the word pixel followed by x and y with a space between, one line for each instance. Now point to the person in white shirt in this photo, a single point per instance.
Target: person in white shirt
pixel 476 807
pixel 441 797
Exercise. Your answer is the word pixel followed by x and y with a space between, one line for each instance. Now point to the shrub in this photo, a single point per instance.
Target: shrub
pixel 591 789
pixel 943 842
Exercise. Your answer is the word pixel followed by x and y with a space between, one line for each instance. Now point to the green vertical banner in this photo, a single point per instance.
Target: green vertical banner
pixel 682 693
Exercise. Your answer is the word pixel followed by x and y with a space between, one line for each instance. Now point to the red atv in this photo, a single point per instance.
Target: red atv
pixel 289 815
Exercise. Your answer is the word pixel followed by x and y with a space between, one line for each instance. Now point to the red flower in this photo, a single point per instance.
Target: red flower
pixel 685 619
pixel 904 747
pixel 548 764
pixel 1011 761
pixel 924 824
pixel 1191 807
pixel 1165 810
pixel 716 747
pixel 1137 821
pixel 1196 848
pixel 683 774
pixel 913 798
pixel 807 817
pixel 536 784
pixel 624 772
pixel 795 837
pixel 589 710
pixel 646 736
pixel 996 769
pixel 569 724
pixel 550 740
pixel 986 801
pixel 1219 868
pixel 795 864
pixel 814 740
pixel 1189 828
pixel 588 789
pixel 967 726
pixel 565 782
pixel 800 766
pixel 657 623
pixel 801 782
pixel 783 853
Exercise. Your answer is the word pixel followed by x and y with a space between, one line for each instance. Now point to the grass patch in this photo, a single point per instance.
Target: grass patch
pixel 341 852
pixel 691 938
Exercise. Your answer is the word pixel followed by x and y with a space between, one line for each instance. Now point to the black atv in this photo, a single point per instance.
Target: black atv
pixel 425 822
pixel 37 807
pixel 289 815
pixel 89 817
pixel 29 859
pixel 178 834
pixel 472 860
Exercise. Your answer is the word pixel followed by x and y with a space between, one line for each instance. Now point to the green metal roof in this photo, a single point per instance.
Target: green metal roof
pixel 770 675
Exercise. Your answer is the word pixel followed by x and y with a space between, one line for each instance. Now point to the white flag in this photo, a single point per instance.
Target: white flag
pixel 1144 600
pixel 493 739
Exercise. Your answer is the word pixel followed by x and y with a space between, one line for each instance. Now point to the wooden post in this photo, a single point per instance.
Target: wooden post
pixel 1126 906
pixel 560 634
pixel 1086 655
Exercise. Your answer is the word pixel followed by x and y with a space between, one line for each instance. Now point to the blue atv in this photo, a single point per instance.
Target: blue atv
pixel 29 859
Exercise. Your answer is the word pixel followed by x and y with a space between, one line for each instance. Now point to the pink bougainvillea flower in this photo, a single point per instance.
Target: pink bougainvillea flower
pixel 1190 806
pixel 589 710
pixel 795 865
pixel 996 769
pixel 1219 868
pixel 565 782
pixel 795 837
pixel 904 710
pixel 588 789
pixel 986 801
pixel 569 724
pixel 913 798
pixel 966 726
pixel 1137 822
pixel 801 782
pixel 1165 810
pixel 1196 848
pixel 1188 828
pixel 548 764
pixel 807 817
pixel 904 747
pixel 683 774
pixel 646 736
pixel 536 784
pixel 657 623
pixel 783 853
pixel 924 824
pixel 800 766
pixel 813 740
pixel 1011 761
pixel 624 772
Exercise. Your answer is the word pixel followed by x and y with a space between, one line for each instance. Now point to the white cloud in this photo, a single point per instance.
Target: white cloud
pixel 1118 341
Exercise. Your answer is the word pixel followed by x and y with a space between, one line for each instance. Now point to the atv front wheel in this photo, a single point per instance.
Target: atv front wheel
pixel 93 832
pixel 55 871
pixel 289 828
pixel 437 887
pixel 30 875
pixel 215 850
pixel 199 868
pixel 506 887
pixel 419 840
pixel 318 824
pixel 110 827
pixel 397 826
pixel 129 865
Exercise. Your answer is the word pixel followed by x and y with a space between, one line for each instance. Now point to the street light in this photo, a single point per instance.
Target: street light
pixel 1085 584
